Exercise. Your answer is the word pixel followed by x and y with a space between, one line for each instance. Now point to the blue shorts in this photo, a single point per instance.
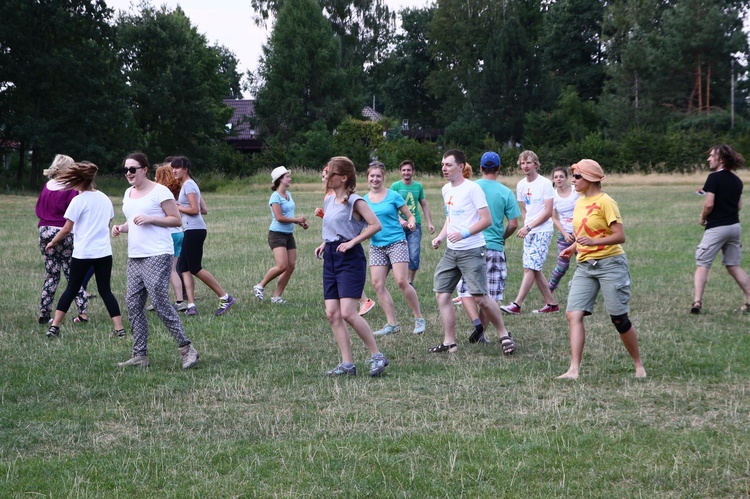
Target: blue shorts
pixel 344 274
pixel 177 238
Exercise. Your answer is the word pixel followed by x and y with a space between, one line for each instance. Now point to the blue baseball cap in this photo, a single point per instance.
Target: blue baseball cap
pixel 490 160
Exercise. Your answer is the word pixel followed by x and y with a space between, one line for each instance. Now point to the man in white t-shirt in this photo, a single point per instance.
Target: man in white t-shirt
pixel 466 216
pixel 535 195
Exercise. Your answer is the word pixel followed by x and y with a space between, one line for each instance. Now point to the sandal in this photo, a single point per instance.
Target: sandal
pixel 744 308
pixel 696 309
pixel 442 347
pixel 79 319
pixel 509 346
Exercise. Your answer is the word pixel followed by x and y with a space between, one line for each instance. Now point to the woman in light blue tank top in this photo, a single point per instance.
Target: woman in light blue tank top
pixel 388 248
pixel 281 235
pixel 346 223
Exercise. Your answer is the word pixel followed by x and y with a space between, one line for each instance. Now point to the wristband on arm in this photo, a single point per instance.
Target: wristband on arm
pixel 465 233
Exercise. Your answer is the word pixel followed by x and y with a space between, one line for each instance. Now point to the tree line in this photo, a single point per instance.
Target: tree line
pixel 643 85
pixel 640 85
pixel 76 80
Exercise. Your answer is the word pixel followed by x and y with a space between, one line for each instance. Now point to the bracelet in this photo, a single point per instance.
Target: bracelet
pixel 528 229
pixel 465 233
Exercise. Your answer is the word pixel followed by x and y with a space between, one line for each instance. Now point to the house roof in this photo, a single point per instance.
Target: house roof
pixel 371 114
pixel 244 110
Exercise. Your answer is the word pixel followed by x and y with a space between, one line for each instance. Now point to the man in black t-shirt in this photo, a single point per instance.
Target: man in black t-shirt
pixel 721 218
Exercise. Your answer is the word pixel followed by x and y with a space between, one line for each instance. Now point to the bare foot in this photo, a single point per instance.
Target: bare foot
pixel 640 372
pixel 570 374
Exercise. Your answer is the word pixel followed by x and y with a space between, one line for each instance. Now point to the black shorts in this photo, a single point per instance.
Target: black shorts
pixel 281 240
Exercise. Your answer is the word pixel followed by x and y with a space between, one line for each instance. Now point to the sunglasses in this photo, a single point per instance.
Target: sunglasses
pixel 131 169
pixel 577 176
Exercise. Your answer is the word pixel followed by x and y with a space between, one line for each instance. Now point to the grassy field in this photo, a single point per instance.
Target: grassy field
pixel 257 417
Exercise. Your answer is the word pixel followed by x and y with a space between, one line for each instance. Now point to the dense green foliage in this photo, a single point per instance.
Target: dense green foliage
pixel 640 85
pixel 73 79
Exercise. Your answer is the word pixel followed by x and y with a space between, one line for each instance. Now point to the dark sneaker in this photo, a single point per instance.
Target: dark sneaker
pixel 44 319
pixel 476 334
pixel 483 340
pixel 191 311
pixel 342 370
pixel 53 332
pixel 547 309
pixel 118 333
pixel 512 309
pixel 224 305
pixel 378 363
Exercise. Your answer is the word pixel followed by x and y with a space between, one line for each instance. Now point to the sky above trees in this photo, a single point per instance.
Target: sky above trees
pixel 230 23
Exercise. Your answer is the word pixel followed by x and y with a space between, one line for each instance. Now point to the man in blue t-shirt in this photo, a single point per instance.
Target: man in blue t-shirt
pixel 413 194
pixel 502 204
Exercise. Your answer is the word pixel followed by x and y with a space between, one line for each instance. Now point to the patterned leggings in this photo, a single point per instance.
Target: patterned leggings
pixel 58 259
pixel 150 277
pixel 562 264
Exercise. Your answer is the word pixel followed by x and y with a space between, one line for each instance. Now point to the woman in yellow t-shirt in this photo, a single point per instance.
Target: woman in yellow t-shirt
pixel 602 265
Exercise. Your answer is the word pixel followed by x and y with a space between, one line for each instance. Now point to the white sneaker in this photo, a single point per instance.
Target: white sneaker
pixel 137 361
pixel 258 290
pixel 419 325
pixel 278 300
pixel 189 356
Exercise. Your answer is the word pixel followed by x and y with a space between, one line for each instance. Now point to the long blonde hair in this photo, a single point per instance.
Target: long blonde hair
pixel 60 163
pixel 79 176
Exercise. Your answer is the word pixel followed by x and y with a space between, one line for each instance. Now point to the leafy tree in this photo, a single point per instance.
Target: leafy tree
pixel 699 40
pixel 60 85
pixel 401 76
pixel 668 60
pixel 364 29
pixel 358 140
pixel 302 82
pixel 571 121
pixel 176 84
pixel 456 47
pixel 512 80
pixel 572 45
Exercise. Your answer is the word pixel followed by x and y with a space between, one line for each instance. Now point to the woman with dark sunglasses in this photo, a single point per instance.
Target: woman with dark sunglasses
pixel 150 210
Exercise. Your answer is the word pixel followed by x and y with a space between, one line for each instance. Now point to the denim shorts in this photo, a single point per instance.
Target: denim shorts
pixel 414 240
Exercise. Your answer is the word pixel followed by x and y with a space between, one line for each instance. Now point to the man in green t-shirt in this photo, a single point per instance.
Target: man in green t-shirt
pixel 413 194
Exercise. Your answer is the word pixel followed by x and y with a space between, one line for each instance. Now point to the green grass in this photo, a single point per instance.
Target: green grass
pixel 257 418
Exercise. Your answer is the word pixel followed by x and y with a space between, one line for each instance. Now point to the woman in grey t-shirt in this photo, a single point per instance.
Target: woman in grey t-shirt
pixel 347 222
